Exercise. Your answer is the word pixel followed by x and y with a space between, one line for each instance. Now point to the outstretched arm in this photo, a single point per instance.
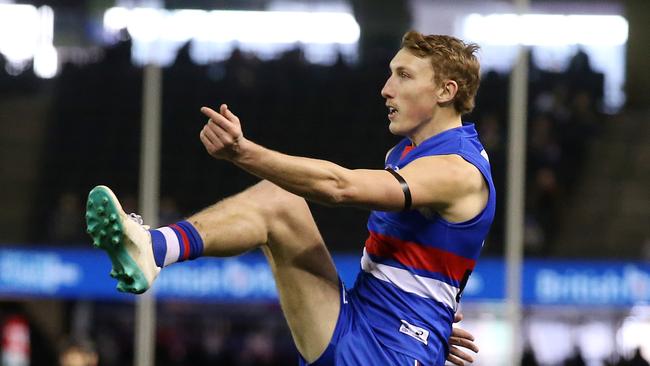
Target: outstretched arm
pixel 317 180
pixel 434 181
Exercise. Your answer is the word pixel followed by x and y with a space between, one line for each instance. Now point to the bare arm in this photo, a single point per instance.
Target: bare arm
pixel 434 181
pixel 322 181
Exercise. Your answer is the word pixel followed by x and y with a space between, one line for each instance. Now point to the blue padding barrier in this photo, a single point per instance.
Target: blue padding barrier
pixel 48 272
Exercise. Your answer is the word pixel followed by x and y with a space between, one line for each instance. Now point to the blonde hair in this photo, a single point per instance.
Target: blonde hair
pixel 451 59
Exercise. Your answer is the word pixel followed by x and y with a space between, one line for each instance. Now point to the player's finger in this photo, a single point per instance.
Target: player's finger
pixel 209 112
pixel 213 115
pixel 223 135
pixel 206 142
pixel 455 360
pixel 211 135
pixel 226 125
pixel 229 115
pixel 220 120
pixel 462 342
pixel 461 333
pixel 462 356
pixel 458 317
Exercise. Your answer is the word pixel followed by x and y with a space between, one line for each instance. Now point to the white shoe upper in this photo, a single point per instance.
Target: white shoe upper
pixel 137 242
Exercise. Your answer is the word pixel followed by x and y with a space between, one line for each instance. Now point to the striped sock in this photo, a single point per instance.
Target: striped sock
pixel 176 243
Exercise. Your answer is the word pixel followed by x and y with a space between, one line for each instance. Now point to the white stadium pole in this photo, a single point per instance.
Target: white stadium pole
pixel 515 196
pixel 145 313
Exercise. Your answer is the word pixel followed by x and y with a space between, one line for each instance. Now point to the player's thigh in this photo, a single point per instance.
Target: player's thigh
pixel 310 302
pixel 305 275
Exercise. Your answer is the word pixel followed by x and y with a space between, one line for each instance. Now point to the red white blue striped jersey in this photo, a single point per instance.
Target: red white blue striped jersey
pixel 415 264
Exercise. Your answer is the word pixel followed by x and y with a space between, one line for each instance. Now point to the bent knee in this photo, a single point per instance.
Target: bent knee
pixel 278 202
pixel 290 224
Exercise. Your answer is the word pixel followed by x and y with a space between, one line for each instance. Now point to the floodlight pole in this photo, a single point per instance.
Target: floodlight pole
pixel 515 196
pixel 145 314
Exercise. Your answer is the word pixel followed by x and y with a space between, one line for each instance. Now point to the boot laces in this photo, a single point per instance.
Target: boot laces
pixel 138 220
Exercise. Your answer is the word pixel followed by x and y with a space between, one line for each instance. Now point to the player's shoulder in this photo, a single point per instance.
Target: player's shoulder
pixel 451 169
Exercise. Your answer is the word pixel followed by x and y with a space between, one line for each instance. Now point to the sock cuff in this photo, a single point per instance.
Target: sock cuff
pixel 176 243
pixel 159 247
pixel 195 241
pixel 183 242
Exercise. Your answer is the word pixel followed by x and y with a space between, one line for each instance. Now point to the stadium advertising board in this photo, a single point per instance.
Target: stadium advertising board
pixel 83 274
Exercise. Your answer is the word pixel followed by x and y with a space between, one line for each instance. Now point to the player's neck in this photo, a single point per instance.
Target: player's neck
pixel 442 120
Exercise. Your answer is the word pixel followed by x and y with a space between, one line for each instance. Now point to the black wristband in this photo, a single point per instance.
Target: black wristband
pixel 405 188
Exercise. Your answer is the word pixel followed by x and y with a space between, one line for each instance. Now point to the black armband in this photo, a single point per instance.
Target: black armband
pixel 405 188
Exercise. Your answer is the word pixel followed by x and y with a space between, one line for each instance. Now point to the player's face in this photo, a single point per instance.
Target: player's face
pixel 410 93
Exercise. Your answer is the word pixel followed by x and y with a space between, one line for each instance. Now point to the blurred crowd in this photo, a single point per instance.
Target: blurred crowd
pixel 563 117
pixel 576 359
pixel 330 112
pixel 189 334
pixel 186 334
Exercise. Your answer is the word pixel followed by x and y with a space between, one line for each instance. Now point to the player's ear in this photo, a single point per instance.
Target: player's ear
pixel 447 91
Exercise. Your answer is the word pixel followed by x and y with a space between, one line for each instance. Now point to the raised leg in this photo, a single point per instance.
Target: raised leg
pixel 280 223
pixel 263 216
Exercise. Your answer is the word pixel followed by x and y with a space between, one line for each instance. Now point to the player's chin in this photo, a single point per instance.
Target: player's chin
pixel 395 128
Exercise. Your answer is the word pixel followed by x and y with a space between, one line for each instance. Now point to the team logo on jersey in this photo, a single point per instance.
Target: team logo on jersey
pixel 420 334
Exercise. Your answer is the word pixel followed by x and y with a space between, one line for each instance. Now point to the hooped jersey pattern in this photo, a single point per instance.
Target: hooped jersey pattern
pixel 415 264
